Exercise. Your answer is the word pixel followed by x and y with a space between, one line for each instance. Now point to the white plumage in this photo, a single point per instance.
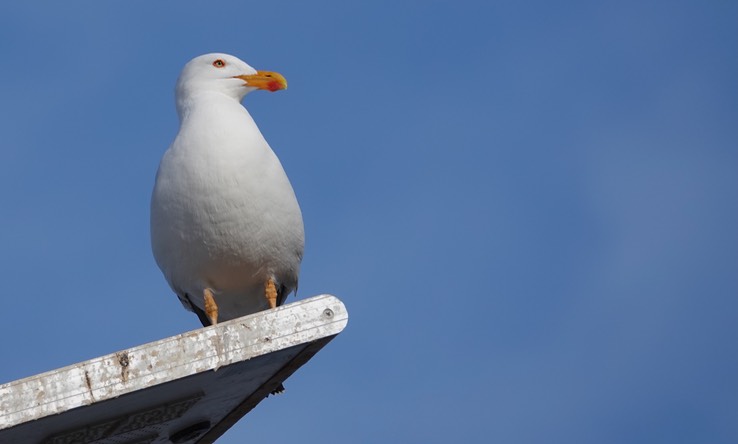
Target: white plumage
pixel 224 217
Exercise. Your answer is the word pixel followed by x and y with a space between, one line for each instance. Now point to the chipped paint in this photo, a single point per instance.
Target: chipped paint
pixel 260 350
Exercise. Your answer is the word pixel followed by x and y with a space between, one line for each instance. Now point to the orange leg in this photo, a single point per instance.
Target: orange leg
pixel 211 308
pixel 271 293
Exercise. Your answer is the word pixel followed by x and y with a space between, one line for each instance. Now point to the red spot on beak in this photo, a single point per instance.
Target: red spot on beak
pixel 274 86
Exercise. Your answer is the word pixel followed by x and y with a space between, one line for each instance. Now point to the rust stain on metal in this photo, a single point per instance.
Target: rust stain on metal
pixel 88 383
pixel 40 396
pixel 124 362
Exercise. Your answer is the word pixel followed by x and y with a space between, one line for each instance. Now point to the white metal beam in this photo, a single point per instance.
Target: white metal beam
pixel 188 388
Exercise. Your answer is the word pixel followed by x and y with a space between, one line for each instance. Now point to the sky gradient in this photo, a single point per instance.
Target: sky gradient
pixel 528 208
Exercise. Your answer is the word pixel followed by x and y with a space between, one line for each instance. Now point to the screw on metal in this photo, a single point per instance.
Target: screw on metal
pixel 328 313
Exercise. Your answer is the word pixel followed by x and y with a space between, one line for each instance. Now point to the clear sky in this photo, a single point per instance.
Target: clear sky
pixel 529 208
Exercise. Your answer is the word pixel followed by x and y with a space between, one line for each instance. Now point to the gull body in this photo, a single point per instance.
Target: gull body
pixel 224 218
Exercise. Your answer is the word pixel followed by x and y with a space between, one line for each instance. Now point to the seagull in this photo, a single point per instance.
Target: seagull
pixel 226 228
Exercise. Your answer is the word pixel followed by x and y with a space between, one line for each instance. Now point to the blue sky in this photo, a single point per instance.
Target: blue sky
pixel 529 208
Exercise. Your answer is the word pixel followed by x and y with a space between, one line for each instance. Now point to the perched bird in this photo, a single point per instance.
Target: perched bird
pixel 226 228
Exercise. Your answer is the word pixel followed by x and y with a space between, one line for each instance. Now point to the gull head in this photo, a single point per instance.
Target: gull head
pixel 225 74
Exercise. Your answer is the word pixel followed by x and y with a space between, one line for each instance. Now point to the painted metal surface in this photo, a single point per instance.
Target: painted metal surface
pixel 188 388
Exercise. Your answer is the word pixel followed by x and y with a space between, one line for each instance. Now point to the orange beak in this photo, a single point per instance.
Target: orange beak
pixel 271 81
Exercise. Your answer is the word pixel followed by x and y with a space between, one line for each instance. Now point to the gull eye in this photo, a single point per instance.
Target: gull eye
pixel 219 63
